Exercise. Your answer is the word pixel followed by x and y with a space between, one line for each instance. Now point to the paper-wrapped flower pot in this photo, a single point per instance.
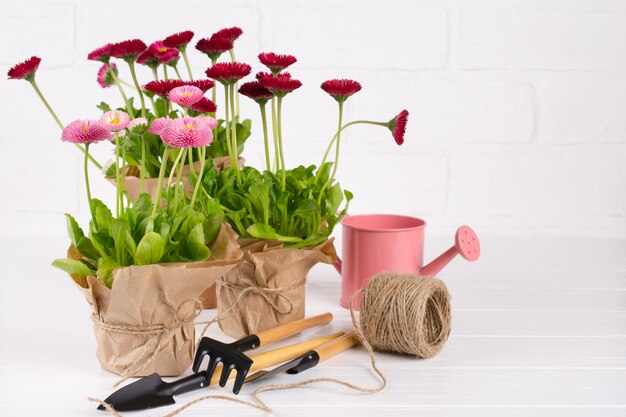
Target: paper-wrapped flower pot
pixel 267 287
pixel 132 182
pixel 144 323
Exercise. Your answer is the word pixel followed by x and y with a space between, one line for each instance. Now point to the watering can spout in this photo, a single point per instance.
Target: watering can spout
pixel 466 243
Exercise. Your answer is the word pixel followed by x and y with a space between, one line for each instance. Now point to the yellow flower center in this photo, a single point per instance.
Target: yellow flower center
pixel 164 49
pixel 189 127
pixel 85 127
pixel 185 95
pixel 115 121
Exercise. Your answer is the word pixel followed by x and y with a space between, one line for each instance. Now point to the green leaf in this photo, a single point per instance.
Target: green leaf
pixel 73 230
pixel 150 249
pixel 105 270
pixel 86 248
pixel 104 218
pixel 265 231
pixel 103 106
pixel 196 246
pixel 74 268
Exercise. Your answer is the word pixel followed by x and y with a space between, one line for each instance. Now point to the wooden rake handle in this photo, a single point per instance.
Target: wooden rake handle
pixel 289 329
pixel 280 355
pixel 336 346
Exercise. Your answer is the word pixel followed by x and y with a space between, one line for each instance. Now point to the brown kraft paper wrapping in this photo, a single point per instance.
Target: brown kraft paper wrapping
pixel 145 322
pixel 267 286
pixel 132 183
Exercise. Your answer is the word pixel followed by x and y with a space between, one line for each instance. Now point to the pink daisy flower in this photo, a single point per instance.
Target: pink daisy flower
pixel 85 131
pixel 179 40
pixel 138 126
pixel 185 95
pixel 341 89
pixel 188 132
pixel 115 120
pixel 158 125
pixel 105 78
pixel 25 70
pixel 102 54
pixel 276 62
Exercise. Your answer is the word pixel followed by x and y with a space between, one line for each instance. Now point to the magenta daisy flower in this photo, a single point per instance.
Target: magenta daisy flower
pixel 185 95
pixel 102 54
pixel 232 34
pixel 397 125
pixel 163 87
pixel 187 132
pixel 228 72
pixel 276 62
pixel 25 70
pixel 128 50
pixel 149 59
pixel 341 89
pixel 256 92
pixel 114 120
pixel 158 125
pixel 105 78
pixel 214 47
pixel 179 40
pixel 204 85
pixel 164 54
pixel 85 131
pixel 280 84
pixel 204 105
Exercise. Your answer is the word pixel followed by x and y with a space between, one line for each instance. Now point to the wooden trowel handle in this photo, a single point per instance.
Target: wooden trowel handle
pixel 280 355
pixel 289 329
pixel 337 346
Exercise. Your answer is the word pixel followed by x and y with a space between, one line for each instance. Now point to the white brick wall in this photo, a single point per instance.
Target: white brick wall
pixel 518 121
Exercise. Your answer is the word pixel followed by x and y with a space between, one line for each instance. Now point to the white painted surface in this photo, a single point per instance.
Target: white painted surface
pixel 518 107
pixel 539 328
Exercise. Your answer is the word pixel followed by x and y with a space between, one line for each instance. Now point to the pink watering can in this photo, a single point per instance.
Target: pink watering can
pixel 374 243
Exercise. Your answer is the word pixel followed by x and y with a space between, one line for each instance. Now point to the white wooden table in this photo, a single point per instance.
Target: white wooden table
pixel 539 328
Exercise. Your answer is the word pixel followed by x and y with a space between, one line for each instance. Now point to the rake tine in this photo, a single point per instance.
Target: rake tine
pixel 213 361
pixel 226 370
pixel 239 380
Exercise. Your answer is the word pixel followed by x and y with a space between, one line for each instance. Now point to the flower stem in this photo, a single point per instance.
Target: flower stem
pixel 157 201
pixel 165 72
pixel 233 131
pixel 118 83
pixel 336 164
pixel 117 175
pixel 232 58
pixel 265 138
pixel 142 173
pixel 177 73
pixel 280 140
pixel 58 122
pixel 180 155
pixel 131 64
pixel 123 176
pixel 330 145
pixel 229 145
pixel 155 74
pixel 197 187
pixel 275 136
pixel 184 52
pixel 86 171
pixel 192 169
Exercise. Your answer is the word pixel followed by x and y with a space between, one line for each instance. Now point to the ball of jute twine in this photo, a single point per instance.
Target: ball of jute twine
pixel 406 314
pixel 399 313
